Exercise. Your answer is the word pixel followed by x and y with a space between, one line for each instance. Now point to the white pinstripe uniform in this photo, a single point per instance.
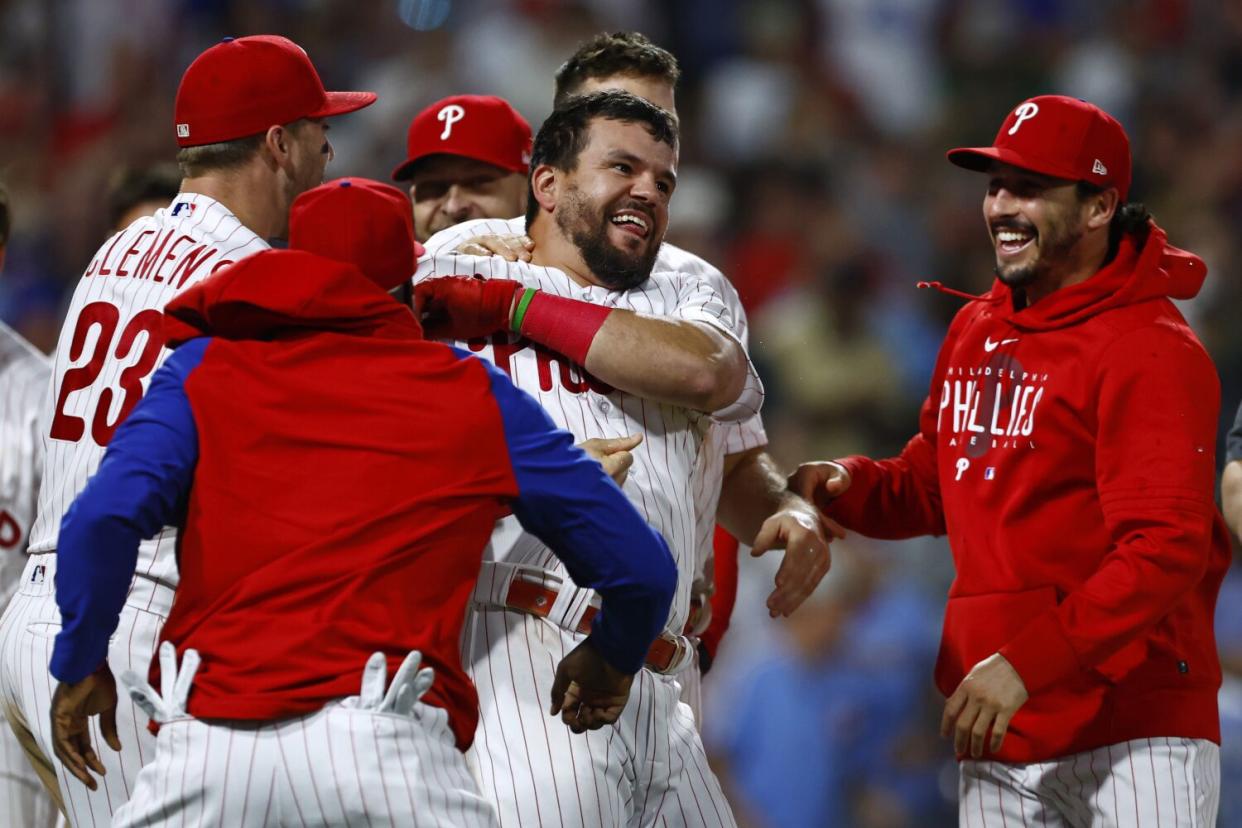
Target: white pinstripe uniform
pixel 103 363
pixel 723 438
pixel 649 768
pixel 1159 782
pixel 371 759
pixel 24 375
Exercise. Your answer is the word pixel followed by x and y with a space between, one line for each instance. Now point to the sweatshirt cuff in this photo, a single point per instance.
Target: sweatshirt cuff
pixel 842 507
pixel 1041 653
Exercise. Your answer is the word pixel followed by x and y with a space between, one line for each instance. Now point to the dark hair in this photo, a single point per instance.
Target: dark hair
pixel 619 53
pixel 563 135
pixel 1131 219
pixel 131 186
pixel 5 222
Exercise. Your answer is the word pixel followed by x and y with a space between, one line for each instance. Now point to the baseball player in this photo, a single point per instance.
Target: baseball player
pixel 468 157
pixel 1066 448
pixel 250 124
pixel 359 573
pixel 737 480
pixel 24 375
pixel 608 347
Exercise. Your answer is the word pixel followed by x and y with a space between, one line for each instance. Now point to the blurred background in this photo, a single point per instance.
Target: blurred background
pixel 813 174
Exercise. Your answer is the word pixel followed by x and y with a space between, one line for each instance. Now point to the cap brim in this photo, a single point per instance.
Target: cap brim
pixel 405 170
pixel 980 159
pixel 341 102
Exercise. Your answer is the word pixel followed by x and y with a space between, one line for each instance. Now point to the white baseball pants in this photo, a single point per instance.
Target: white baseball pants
pixel 373 759
pixel 1154 783
pixel 27 632
pixel 648 769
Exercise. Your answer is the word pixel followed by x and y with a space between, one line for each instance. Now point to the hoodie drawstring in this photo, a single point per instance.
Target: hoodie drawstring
pixel 950 291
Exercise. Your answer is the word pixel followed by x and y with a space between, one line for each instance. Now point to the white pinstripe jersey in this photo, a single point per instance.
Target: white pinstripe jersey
pixel 662 482
pixel 24 374
pixel 112 341
pixel 724 437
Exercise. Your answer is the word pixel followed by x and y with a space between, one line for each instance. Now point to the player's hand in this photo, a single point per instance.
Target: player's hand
pixel 820 483
pixel 462 307
pixel 72 707
pixel 511 248
pixel 588 692
pixel 985 700
pixel 803 534
pixel 613 454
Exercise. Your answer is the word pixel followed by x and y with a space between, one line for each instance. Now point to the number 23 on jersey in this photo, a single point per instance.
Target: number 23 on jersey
pixel 107 348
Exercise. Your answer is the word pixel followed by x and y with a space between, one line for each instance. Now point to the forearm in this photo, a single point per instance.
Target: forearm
pixel 673 361
pixel 891 499
pixel 689 364
pixel 753 490
pixel 96 561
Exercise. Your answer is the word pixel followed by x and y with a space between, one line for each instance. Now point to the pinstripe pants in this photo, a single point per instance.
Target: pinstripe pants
pixel 338 766
pixel 27 632
pixel 1159 782
pixel 23 799
pixel 647 769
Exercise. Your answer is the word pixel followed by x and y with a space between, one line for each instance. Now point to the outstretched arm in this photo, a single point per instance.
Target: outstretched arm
pixel 684 358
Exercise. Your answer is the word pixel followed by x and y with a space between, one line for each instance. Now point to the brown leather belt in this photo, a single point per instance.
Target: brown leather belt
pixel 536 599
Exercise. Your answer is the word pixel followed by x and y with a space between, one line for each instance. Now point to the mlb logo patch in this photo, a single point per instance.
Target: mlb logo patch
pixel 989 473
pixel 183 207
pixel 183 130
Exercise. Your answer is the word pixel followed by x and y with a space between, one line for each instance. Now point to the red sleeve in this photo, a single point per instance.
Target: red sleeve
pixel 725 547
pixel 1157 405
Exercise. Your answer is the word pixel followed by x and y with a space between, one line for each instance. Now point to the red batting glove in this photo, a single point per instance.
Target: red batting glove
pixel 462 307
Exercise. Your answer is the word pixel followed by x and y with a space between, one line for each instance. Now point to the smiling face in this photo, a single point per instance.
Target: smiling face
pixel 1036 222
pixel 449 189
pixel 613 205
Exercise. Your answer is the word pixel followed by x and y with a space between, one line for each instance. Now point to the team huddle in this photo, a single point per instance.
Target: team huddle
pixel 410 518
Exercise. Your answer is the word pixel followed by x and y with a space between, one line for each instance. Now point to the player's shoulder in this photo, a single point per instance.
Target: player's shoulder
pixel 677 259
pixel 450 238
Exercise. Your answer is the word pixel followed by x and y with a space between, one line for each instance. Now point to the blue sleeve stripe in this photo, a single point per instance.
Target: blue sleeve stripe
pixel 568 502
pixel 137 490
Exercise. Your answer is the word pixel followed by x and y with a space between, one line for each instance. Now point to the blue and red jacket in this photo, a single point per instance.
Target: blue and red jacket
pixel 336 478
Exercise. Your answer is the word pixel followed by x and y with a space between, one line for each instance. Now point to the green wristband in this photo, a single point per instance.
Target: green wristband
pixel 519 313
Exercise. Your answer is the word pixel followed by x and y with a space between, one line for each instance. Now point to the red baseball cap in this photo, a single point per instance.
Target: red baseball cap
pixel 1058 136
pixel 241 86
pixel 360 222
pixel 482 127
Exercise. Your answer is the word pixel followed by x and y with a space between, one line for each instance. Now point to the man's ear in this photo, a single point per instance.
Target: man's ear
pixel 545 183
pixel 278 145
pixel 1102 207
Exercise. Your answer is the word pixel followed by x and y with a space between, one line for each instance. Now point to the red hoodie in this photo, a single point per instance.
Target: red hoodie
pixel 1068 450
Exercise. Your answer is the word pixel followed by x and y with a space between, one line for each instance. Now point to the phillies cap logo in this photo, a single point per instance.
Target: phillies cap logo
pixel 1024 112
pixel 450 114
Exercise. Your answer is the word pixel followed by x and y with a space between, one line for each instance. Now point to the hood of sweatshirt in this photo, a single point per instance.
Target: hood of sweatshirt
pixel 284 293
pixel 1136 274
